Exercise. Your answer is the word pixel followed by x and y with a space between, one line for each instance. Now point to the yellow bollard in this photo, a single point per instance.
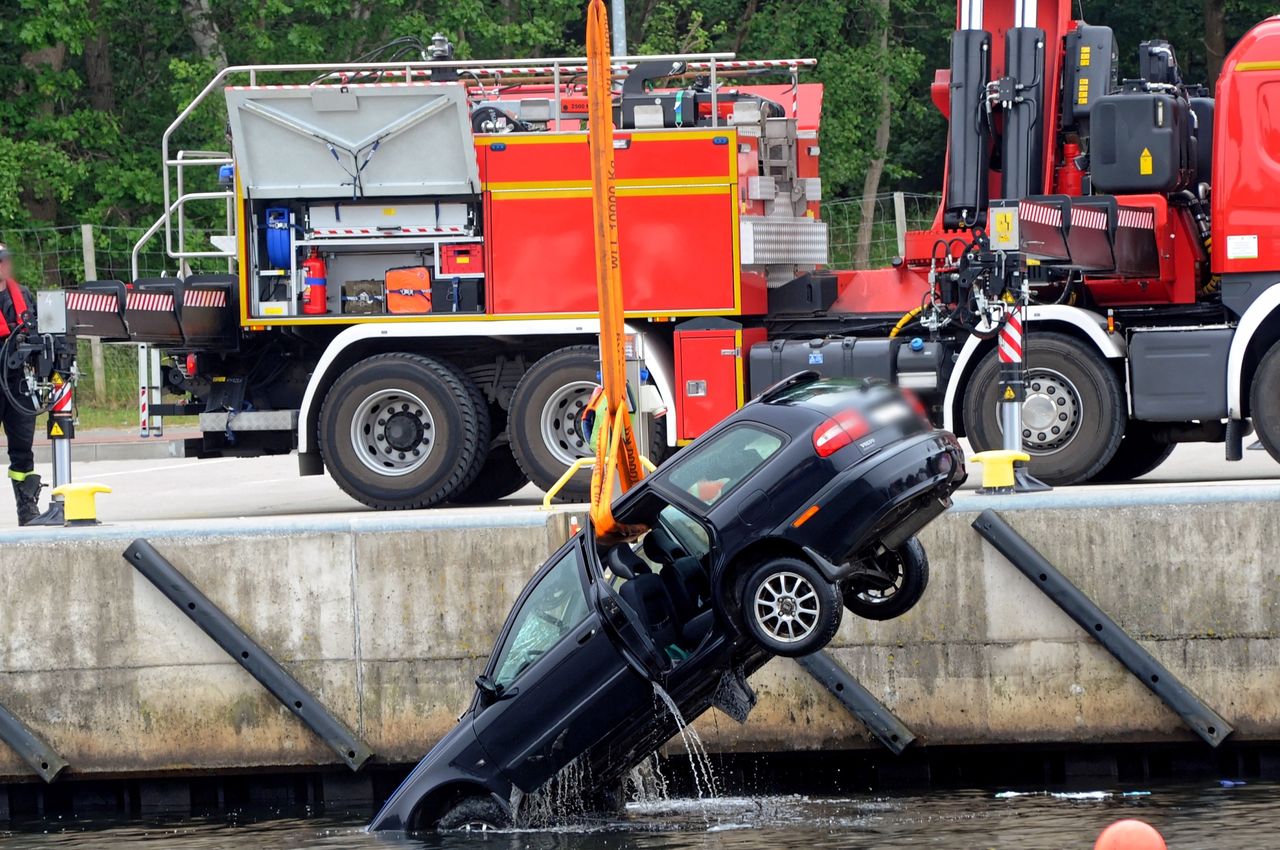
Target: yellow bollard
pixel 997 469
pixel 78 499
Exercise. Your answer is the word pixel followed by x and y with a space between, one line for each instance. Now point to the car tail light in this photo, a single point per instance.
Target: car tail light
pixel 838 431
pixel 916 404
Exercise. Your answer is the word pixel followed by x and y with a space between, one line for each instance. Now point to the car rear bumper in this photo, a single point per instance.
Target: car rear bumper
pixel 889 495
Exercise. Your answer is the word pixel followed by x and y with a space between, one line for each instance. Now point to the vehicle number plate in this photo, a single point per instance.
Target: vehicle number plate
pixel 894 411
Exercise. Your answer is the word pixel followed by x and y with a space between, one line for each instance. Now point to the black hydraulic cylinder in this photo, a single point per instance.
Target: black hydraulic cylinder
pixel 246 652
pixel 1202 719
pixel 30 747
pixel 969 144
pixel 859 701
pixel 1022 152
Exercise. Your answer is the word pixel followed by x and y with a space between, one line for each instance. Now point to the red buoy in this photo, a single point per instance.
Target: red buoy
pixel 1129 835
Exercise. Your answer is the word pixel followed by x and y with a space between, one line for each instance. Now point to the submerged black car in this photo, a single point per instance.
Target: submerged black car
pixel 760 534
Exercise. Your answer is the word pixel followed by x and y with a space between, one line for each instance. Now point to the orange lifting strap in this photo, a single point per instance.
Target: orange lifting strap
pixel 616 450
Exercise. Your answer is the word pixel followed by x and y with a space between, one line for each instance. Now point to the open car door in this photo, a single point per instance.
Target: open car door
pixel 559 680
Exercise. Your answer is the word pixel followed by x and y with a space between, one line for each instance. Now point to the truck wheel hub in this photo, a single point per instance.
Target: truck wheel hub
pixel 563 430
pixel 392 432
pixel 1051 412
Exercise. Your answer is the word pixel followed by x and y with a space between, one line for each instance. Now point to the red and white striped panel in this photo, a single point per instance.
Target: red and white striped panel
pixel 1011 338
pixel 91 302
pixel 205 298
pixel 1040 214
pixel 1087 217
pixel 62 399
pixel 150 301
pixel 403 231
pixel 1142 219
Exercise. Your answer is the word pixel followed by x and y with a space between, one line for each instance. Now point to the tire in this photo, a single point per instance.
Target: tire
pixel 440 420
pixel 908 565
pixel 473 814
pixel 499 477
pixel 1063 375
pixel 1139 453
pixel 769 599
pixel 545 424
pixel 1264 401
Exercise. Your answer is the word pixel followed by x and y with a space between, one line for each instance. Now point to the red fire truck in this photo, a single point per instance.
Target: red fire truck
pixel 411 290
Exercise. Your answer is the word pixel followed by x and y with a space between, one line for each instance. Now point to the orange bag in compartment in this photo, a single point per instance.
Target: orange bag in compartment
pixel 409 290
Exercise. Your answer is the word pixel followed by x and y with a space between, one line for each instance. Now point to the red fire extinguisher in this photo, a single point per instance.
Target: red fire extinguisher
pixel 315 300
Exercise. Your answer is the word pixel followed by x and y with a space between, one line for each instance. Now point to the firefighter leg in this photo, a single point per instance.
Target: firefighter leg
pixel 20 428
pixel 1012 394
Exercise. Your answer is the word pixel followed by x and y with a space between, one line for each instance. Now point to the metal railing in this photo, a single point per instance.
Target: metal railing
pixel 715 65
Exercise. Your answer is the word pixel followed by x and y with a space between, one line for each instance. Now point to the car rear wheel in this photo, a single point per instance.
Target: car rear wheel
pixel 474 814
pixel 401 431
pixel 1073 416
pixel 903 577
pixel 790 608
pixel 1139 453
pixel 1264 401
pixel 547 429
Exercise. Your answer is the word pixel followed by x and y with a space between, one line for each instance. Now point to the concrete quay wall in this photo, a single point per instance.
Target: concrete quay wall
pixel 387 619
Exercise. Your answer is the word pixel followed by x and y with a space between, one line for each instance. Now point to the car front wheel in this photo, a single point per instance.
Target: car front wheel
pixel 790 608
pixel 474 814
pixel 892 584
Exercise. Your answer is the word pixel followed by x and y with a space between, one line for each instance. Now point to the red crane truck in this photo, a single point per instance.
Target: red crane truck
pixel 410 303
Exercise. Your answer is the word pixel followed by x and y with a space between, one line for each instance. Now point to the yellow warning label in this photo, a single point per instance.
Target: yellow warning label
pixel 56 430
pixel 1082 94
pixel 1009 394
pixel 1086 53
pixel 1004 227
pixel 1144 162
pixel 388 210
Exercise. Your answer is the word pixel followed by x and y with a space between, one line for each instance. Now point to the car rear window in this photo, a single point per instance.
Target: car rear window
pixel 720 464
pixel 824 393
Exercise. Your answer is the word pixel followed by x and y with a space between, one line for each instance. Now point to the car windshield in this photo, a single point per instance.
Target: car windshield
pixel 824 393
pixel 555 606
pixel 719 465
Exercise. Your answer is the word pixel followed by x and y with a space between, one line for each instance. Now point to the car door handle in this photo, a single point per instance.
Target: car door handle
pixel 586 636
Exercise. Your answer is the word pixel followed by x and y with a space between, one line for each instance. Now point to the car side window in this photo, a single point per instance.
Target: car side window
pixel 691 536
pixel 716 467
pixel 555 606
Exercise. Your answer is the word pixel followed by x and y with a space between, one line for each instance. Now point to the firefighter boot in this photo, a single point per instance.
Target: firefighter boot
pixel 27 494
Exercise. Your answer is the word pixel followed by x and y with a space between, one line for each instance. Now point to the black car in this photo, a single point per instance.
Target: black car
pixel 761 532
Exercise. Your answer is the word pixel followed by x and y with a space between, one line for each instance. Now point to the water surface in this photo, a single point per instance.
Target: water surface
pixel 1203 817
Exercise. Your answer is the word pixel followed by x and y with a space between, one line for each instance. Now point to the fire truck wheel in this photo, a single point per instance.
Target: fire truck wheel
pixel 1264 401
pixel 1073 417
pixel 401 431
pixel 545 424
pixel 1139 453
pixel 499 477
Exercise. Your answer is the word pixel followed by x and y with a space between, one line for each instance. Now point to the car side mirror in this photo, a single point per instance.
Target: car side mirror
pixel 492 690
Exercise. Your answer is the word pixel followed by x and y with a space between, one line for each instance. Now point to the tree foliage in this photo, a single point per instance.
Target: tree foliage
pixel 89 86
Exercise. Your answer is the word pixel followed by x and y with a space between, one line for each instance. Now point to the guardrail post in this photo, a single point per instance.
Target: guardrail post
pixel 246 652
pixel 30 746
pixel 1202 719
pixel 858 701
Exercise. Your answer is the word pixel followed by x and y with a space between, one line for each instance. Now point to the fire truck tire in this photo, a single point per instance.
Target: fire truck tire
pixel 418 456
pixel 1264 401
pixel 544 423
pixel 1064 378
pixel 499 477
pixel 1139 453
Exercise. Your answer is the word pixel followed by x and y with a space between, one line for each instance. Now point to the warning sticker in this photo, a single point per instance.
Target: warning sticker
pixel 1144 162
pixel 1243 246
pixel 1009 394
pixel 56 430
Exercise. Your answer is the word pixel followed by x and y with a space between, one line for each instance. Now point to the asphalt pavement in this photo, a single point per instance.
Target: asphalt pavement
pixel 227 488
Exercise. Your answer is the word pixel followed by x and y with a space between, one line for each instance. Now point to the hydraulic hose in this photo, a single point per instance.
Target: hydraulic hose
pixel 904 321
pixel 5 371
